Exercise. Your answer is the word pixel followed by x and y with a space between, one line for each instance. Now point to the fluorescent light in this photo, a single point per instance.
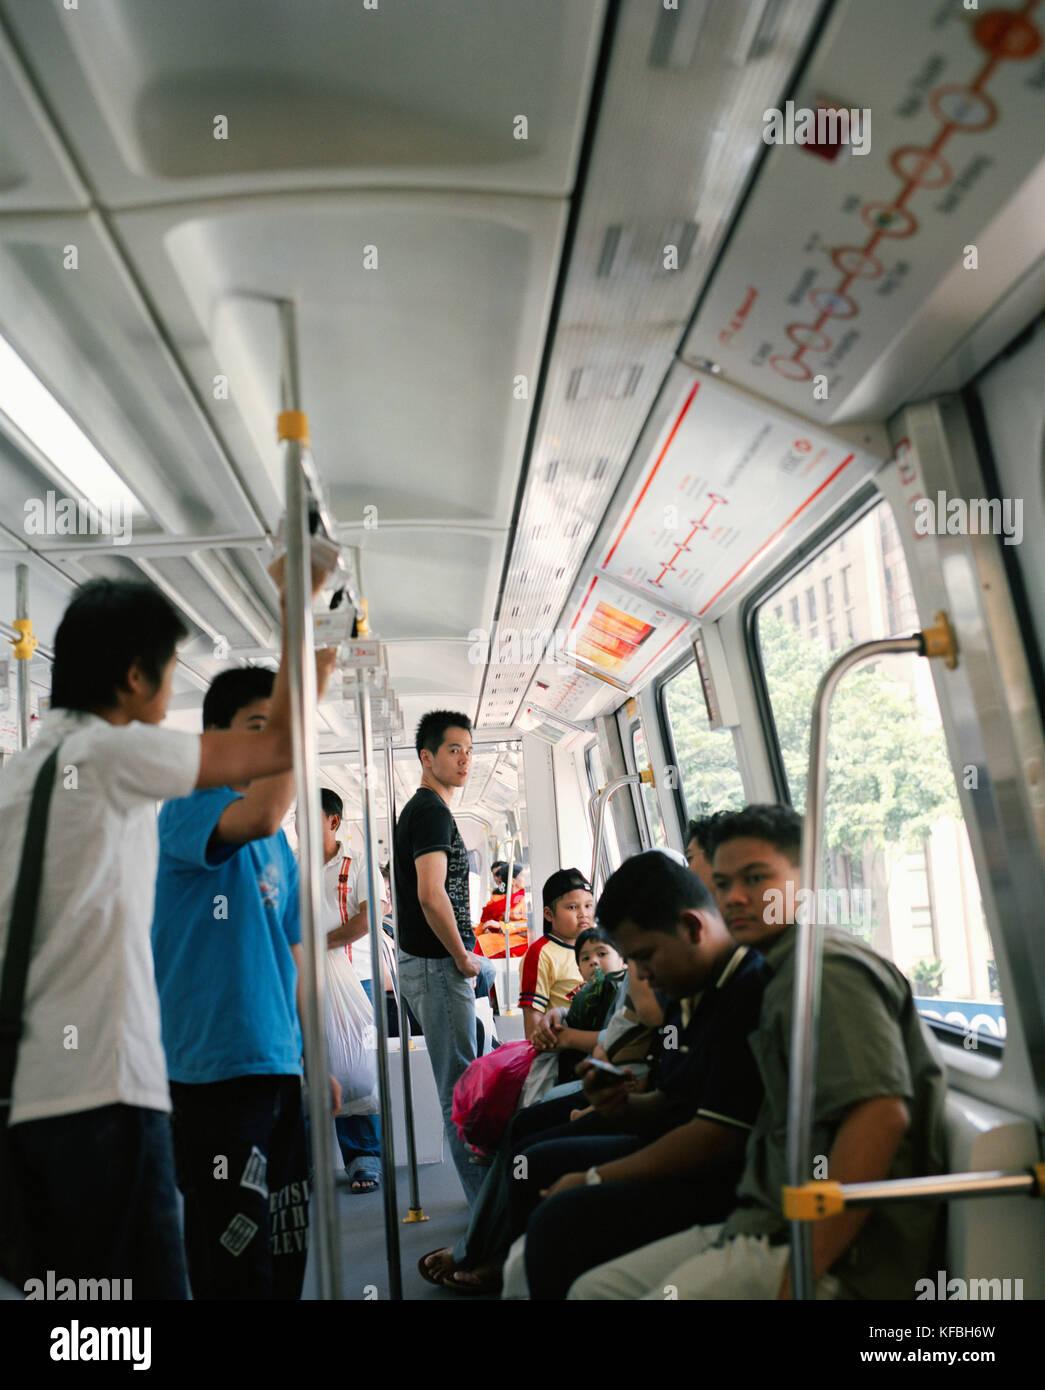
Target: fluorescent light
pixel 30 406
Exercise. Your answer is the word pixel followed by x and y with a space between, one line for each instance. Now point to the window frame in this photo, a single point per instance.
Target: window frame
pixel 864 500
pixel 660 699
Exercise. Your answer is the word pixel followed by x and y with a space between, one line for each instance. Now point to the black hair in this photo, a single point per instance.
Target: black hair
pixel 701 831
pixel 332 803
pixel 432 729
pixel 232 690
pixel 110 626
pixel 651 890
pixel 560 883
pixel 781 826
pixel 590 934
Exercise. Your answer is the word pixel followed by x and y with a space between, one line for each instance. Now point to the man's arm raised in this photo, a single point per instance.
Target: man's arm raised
pixel 229 758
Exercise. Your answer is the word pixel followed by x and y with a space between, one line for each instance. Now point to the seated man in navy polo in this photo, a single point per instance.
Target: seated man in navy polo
pixel 678 1149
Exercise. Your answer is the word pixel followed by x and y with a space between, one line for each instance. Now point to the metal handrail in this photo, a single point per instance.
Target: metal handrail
pixel 303 706
pixel 818 1201
pixel 993 1183
pixel 938 641
pixel 416 1211
pixel 388 1170
pixel 600 819
pixel 507 921
pixel 25 699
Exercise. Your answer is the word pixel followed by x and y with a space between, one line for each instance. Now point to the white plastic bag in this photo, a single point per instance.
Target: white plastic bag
pixel 351 1037
pixel 484 1013
pixel 544 1074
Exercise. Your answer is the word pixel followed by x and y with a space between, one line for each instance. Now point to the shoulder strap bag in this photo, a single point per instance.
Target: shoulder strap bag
pixel 12 1000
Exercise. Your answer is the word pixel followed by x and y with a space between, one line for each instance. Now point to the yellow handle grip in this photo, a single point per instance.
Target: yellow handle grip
pixel 813 1201
pixel 26 644
pixel 292 424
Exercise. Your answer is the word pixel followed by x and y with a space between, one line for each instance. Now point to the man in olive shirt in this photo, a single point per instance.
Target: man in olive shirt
pixel 436 939
pixel 878 1109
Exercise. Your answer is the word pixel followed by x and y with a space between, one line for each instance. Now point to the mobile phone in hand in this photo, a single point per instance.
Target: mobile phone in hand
pixel 606 1073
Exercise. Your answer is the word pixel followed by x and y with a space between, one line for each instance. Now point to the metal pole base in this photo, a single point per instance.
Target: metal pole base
pixel 416 1214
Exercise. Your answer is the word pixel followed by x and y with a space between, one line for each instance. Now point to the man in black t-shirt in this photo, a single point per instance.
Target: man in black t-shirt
pixel 435 931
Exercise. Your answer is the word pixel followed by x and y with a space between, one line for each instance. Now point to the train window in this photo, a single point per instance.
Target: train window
pixel 897 855
pixel 649 797
pixel 709 775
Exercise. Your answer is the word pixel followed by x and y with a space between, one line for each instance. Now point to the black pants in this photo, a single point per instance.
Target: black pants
pixel 242 1166
pixel 98 1200
pixel 498 1209
pixel 574 1231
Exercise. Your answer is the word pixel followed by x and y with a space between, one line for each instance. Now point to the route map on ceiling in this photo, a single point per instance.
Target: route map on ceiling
pixel 729 478
pixel 621 633
pixel 957 102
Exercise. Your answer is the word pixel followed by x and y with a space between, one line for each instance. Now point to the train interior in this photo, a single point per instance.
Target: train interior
pixel 629 418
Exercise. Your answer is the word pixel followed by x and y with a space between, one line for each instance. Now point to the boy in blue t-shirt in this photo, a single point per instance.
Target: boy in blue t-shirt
pixel 227 948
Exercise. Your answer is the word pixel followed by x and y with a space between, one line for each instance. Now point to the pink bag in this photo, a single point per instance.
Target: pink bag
pixel 487 1094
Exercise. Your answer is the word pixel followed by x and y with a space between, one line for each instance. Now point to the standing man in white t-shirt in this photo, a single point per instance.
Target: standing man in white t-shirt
pixel 89 1128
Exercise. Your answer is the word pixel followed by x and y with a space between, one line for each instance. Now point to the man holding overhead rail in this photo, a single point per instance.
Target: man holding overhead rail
pixel 437 974
pixel 226 937
pixel 89 1133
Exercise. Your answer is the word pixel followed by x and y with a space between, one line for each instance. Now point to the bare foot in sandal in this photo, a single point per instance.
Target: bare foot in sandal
pixel 438 1266
pixel 482 1279
pixel 365 1176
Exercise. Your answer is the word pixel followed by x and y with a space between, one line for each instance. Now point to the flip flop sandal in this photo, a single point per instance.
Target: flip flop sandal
pixel 426 1273
pixel 490 1284
pixel 361 1171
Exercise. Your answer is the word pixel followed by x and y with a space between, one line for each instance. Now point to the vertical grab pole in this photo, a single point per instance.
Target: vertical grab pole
pixel 23 651
pixel 805 1017
pixel 508 929
pixel 416 1212
pixel 388 1166
pixel 293 431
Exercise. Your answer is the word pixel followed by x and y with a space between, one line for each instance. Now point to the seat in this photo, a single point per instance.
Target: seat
pixel 993 1237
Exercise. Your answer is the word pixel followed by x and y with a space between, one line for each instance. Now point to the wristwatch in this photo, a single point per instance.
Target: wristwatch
pixel 592 1177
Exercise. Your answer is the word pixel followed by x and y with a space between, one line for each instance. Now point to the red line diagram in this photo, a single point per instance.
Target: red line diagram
pixel 1003 34
pixel 700 525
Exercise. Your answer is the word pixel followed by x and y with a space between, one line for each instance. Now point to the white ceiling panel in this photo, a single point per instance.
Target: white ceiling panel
pixel 321 94
pixel 681 114
pixel 35 174
pixel 69 312
pixel 441 588
pixel 408 368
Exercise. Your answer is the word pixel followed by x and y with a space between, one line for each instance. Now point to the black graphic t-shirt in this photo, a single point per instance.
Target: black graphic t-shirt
pixel 424 826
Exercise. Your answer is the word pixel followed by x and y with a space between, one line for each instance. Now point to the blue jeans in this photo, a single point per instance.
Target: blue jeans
pixel 444 1003
pixel 359 1136
pixel 98 1194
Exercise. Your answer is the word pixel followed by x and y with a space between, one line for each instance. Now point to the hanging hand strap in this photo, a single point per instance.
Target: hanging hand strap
pixel 20 930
